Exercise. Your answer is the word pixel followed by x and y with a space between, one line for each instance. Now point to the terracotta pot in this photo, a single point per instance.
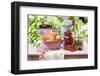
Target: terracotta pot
pixel 44 31
pixel 78 44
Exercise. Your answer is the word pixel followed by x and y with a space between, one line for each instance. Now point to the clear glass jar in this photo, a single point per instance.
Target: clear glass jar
pixel 66 25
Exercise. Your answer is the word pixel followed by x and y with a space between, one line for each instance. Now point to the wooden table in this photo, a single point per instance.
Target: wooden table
pixel 78 54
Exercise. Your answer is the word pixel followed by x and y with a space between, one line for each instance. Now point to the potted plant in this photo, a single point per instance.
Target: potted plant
pixel 80 35
pixel 50 23
pixel 44 27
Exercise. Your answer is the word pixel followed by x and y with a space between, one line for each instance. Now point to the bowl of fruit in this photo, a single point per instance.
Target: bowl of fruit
pixel 52 40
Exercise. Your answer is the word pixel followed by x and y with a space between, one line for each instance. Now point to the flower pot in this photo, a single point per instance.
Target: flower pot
pixel 78 44
pixel 45 31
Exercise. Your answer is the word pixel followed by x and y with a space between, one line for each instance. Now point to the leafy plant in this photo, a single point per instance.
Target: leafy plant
pixel 56 22
pixel 79 34
pixel 76 27
pixel 83 36
pixel 34 22
pixel 33 38
pixel 71 17
pixel 84 19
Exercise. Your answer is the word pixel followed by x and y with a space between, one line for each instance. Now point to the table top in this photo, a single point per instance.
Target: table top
pixel 33 51
pixel 66 52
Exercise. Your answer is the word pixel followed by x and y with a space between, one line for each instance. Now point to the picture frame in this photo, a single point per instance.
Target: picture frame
pixel 18 9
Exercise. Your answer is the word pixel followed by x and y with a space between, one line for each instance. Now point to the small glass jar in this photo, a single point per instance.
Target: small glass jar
pixel 66 25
